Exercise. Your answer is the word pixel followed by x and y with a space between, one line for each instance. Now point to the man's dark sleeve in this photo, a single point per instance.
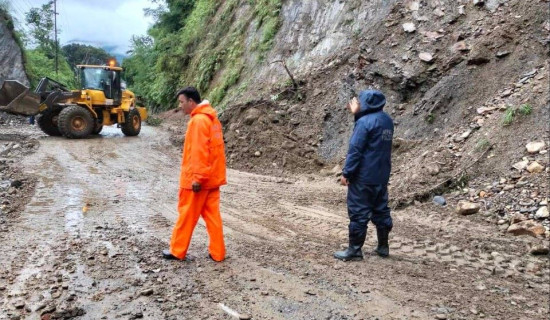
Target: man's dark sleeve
pixel 357 146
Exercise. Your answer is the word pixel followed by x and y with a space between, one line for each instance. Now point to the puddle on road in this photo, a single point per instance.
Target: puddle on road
pixel 74 214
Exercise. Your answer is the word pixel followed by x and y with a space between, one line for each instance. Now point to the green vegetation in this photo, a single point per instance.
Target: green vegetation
pixel 482 145
pixel 430 118
pixel 153 121
pixel 84 54
pixel 199 43
pixel 512 112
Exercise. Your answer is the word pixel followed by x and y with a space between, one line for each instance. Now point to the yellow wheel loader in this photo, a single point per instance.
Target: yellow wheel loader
pixel 77 113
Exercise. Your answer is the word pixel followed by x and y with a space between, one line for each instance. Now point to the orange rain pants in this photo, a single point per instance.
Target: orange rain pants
pixel 192 205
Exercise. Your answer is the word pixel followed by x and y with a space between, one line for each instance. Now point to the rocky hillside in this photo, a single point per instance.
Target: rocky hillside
pixel 11 56
pixel 466 83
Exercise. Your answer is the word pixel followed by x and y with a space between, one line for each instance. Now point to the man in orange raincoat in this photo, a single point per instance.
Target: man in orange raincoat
pixel 202 174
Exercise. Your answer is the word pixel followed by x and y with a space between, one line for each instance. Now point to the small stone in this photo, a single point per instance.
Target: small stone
pixel 520 165
pixel 478 2
pixel 257 153
pixel 433 169
pixel 440 316
pixel 502 54
pixel 466 208
pixel 425 56
pixel 466 134
pixel 461 46
pixel 535 146
pixel 16 184
pixel 146 292
pixel 440 200
pixel 20 304
pixel 517 218
pixel 409 27
pixel 542 213
pixel 539 250
pixel 528 227
pixel 506 93
pixel 535 167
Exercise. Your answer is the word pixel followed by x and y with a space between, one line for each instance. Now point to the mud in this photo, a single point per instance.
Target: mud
pixel 88 245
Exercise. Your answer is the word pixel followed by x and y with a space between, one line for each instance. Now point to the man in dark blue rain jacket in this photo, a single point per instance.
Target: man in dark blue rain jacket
pixel 366 173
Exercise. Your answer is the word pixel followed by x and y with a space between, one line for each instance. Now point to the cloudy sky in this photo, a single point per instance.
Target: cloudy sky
pixel 103 23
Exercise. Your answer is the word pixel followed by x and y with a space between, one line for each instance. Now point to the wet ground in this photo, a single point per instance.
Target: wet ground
pixel 88 245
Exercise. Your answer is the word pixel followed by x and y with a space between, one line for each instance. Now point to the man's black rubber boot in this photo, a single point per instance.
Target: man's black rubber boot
pixel 169 256
pixel 352 253
pixel 383 248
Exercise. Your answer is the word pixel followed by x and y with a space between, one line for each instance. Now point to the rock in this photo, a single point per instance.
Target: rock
pixel 484 110
pixel 440 200
pixel 535 167
pixel 535 146
pixel 528 227
pixel 146 292
pixel 506 93
pixel 16 184
pixel 440 316
pixel 426 57
pixel 479 55
pixel 438 12
pixel 414 5
pixel 539 250
pixel 12 191
pixel 542 213
pixel 517 218
pixel 433 169
pixel 251 116
pixel 257 153
pixel 502 54
pixel 461 46
pixel 520 165
pixel 479 3
pixel 20 304
pixel 466 134
pixel 466 208
pixel 409 27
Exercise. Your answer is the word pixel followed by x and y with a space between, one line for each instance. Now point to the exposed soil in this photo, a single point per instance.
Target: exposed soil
pixel 88 244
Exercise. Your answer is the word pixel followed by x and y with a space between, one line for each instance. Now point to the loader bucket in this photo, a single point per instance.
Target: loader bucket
pixel 16 98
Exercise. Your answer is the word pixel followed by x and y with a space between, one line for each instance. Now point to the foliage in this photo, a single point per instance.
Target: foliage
pixel 41 24
pixel 199 43
pixel 84 54
pixel 511 113
pixel 40 65
pixel 482 145
pixel 153 121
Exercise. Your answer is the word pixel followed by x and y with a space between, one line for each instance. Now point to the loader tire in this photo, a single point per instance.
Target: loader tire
pixel 75 122
pixel 48 120
pixel 97 128
pixel 132 125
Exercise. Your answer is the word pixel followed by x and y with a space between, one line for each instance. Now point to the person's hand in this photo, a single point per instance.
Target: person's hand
pixel 196 186
pixel 354 106
pixel 344 181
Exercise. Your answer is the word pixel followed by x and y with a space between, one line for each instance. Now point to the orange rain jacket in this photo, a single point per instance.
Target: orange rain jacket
pixel 203 159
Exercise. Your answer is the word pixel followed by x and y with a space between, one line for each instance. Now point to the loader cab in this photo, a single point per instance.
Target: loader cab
pixel 102 78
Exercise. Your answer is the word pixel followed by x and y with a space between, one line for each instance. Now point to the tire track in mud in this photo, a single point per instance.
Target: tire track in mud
pixel 280 234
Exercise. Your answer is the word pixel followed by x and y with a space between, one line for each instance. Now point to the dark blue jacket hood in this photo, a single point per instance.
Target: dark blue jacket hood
pixel 370 101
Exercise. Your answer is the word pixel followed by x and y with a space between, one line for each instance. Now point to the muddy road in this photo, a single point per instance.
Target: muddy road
pixel 88 245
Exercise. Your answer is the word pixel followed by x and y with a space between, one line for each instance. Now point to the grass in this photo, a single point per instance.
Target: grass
pixel 430 118
pixel 512 113
pixel 482 145
pixel 153 121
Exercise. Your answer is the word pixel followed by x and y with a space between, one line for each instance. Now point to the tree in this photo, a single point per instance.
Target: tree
pixel 41 24
pixel 85 54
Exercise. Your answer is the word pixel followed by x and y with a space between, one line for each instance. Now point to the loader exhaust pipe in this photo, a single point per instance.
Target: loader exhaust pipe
pixel 16 98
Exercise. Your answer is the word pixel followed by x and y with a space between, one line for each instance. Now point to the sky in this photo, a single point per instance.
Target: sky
pixel 108 24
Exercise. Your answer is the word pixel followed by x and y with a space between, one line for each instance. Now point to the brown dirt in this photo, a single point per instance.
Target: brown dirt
pixel 88 243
